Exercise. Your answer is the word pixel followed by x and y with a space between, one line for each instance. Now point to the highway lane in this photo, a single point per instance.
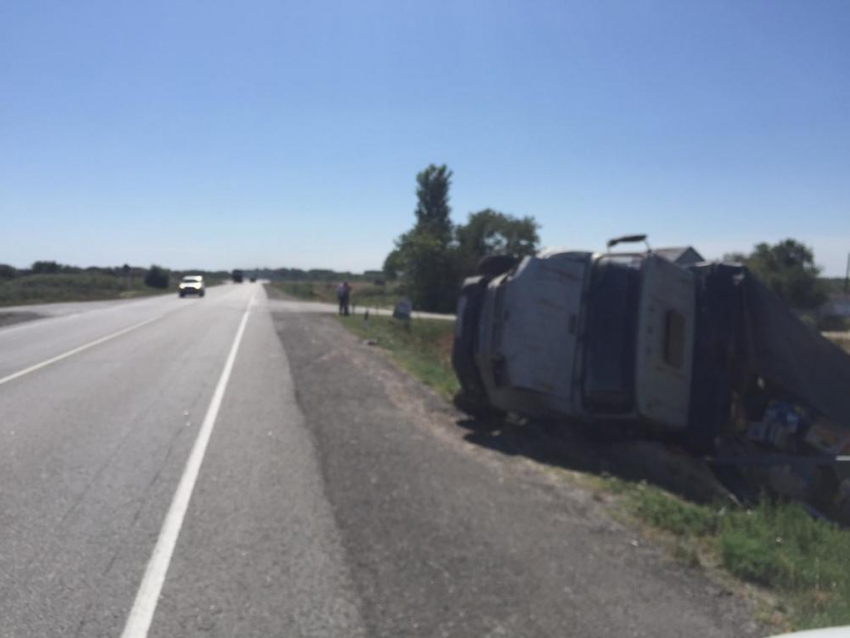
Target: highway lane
pixel 93 446
pixel 64 308
pixel 69 325
pixel 335 496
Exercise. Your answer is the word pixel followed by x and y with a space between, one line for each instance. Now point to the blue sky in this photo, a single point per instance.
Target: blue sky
pixel 272 133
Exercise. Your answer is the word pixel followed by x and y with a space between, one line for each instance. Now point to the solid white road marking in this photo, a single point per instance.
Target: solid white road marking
pixel 141 615
pixel 77 350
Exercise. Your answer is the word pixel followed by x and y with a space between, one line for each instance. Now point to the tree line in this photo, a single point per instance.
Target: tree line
pixel 313 274
pixel 435 255
pixel 154 277
pixel 788 269
pixel 432 258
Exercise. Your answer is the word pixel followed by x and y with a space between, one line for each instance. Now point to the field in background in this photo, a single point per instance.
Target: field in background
pixel 33 289
pixel 43 288
pixel 803 564
pixel 363 294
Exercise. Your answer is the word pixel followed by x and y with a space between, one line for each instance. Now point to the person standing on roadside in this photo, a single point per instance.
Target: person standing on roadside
pixel 343 293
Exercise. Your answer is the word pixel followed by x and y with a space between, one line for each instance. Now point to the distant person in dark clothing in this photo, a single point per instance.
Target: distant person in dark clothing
pixel 343 293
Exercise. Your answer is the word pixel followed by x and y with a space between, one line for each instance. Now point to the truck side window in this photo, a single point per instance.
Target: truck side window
pixel 674 339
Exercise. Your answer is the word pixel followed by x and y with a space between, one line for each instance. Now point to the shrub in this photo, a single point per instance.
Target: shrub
pixel 156 277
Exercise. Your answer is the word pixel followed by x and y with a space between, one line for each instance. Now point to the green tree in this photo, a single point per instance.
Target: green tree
pixel 424 256
pixel 7 272
pixel 489 232
pixel 788 269
pixel 434 256
pixel 432 206
pixel 735 257
pixel 156 277
pixel 393 264
pixel 45 268
pixel 429 271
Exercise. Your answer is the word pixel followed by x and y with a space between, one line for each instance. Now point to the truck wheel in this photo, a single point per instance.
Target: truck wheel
pixel 495 265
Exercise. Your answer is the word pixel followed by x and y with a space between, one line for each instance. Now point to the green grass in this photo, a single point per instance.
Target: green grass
pixel 678 517
pixel 372 296
pixel 362 294
pixel 32 289
pixel 422 347
pixel 303 290
pixel 778 546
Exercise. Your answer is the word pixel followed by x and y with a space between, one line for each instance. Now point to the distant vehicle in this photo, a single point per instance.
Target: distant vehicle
pixel 191 285
pixel 252 279
pixel 237 276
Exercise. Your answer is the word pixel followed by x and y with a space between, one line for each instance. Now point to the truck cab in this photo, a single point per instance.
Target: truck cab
pixel 589 337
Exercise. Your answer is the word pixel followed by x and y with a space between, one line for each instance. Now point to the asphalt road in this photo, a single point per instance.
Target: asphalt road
pixel 231 466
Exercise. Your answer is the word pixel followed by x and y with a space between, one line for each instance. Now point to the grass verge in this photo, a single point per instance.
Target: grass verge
pixel 34 289
pixel 363 294
pixel 778 547
pixel 423 347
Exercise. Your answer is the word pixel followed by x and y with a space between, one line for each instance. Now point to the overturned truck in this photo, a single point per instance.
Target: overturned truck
pixel 702 354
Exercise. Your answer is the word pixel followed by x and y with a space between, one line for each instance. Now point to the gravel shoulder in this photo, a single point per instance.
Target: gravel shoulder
pixel 444 537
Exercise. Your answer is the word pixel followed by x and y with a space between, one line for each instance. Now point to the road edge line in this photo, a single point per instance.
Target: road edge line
pixel 144 606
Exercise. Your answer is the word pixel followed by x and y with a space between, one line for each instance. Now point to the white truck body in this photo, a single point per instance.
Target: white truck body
pixel 537 341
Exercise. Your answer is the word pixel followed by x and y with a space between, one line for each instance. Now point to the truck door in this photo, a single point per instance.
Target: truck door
pixel 666 313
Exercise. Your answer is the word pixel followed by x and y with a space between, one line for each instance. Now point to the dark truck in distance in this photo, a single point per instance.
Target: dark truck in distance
pixel 702 354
